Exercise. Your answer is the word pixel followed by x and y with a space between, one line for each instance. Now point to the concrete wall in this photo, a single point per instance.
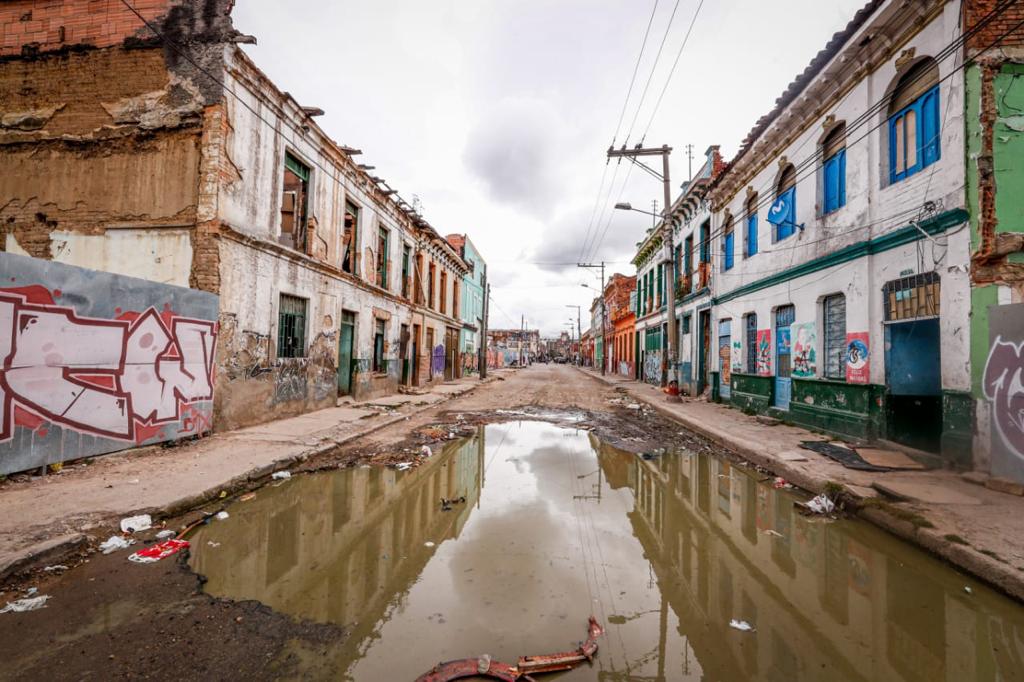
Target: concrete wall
pixel 95 362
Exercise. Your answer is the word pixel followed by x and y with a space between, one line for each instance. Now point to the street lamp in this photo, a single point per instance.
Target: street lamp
pixel 626 206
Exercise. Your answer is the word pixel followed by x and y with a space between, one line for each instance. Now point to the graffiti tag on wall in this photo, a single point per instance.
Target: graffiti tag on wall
pixel 437 360
pixel 1004 387
pixel 652 367
pixel 116 378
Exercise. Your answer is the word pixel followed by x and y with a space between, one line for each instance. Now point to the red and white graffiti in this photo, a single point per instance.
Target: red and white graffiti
pixel 1004 387
pixel 122 378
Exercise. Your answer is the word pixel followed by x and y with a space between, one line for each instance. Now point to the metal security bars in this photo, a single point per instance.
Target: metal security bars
pixel 834 309
pixel 291 327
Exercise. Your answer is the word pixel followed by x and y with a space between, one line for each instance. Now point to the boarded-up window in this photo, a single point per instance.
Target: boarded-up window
pixel 834 309
pixel 291 327
pixel 912 297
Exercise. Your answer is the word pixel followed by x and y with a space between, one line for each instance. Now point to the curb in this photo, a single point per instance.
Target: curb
pixel 55 550
pixel 1002 577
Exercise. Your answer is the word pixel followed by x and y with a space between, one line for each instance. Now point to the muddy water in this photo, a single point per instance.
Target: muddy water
pixel 665 552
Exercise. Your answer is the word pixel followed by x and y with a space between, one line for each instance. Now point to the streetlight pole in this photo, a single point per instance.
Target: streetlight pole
pixel 670 280
pixel 579 333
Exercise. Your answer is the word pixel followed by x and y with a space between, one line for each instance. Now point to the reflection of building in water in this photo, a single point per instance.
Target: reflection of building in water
pixel 829 600
pixel 342 547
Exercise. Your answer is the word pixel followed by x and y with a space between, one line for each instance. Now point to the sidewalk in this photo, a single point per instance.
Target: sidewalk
pixel 45 517
pixel 972 527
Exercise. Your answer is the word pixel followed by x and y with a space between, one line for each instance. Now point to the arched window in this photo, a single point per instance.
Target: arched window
pixel 833 150
pixel 750 245
pixel 782 214
pixel 914 121
pixel 727 243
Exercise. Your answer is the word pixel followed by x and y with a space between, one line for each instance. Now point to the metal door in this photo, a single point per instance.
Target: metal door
pixel 784 317
pixel 348 328
pixel 724 357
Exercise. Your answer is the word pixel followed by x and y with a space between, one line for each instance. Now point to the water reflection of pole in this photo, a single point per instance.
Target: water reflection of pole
pixel 480 463
pixel 662 637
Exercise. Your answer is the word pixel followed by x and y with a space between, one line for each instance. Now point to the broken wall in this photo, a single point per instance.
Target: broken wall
pixel 94 362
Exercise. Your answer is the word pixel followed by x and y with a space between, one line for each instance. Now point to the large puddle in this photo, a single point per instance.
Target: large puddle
pixel 665 552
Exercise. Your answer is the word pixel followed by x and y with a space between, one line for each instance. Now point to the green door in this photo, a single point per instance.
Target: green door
pixel 348 329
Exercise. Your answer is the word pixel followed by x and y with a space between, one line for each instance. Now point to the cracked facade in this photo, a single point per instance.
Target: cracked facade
pixel 173 159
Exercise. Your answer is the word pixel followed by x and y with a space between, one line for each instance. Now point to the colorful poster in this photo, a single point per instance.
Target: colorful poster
pixel 805 340
pixel 737 356
pixel 764 352
pixel 857 358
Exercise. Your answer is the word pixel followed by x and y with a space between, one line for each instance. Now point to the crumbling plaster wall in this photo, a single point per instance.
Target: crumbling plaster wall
pixel 100 131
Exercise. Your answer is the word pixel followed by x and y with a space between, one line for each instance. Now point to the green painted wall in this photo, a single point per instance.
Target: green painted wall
pixel 750 392
pixel 833 406
pixel 1008 147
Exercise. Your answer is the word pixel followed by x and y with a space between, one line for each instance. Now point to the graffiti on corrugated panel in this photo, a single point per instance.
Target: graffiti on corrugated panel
pixel 1003 386
pixel 136 376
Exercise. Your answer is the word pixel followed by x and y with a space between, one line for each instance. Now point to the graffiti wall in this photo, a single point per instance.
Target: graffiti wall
pixel 652 367
pixel 94 362
pixel 437 360
pixel 1003 387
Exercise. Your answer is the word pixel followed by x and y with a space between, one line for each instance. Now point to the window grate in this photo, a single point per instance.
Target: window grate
pixel 835 336
pixel 291 327
pixel 751 343
pixel 912 297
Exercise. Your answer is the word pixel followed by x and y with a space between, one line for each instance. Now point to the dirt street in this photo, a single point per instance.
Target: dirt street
pixel 110 618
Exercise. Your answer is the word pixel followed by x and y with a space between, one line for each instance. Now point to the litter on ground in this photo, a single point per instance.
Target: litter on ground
pixel 426 451
pixel 741 625
pixel 134 524
pixel 22 605
pixel 114 543
pixel 821 505
pixel 159 551
pixel 164 534
pixel 221 516
pixel 281 475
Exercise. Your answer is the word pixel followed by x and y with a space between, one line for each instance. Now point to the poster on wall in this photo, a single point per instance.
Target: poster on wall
pixel 805 340
pixel 857 358
pixel 764 352
pixel 737 356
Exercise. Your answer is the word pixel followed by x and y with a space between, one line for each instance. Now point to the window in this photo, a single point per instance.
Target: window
pixel 834 313
pixel 418 279
pixel 378 347
pixel 688 259
pixel 431 275
pixel 914 121
pixel 456 312
pixel 834 169
pixel 661 285
pixel 727 244
pixel 443 301
pixel 406 256
pixel 383 244
pixel 293 203
pixel 750 248
pixel 705 241
pixel 782 214
pixel 350 238
pixel 911 297
pixel 686 323
pixel 291 327
pixel 750 341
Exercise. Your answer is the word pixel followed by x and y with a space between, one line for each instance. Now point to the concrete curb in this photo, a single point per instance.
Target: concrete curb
pixel 999 575
pixel 55 550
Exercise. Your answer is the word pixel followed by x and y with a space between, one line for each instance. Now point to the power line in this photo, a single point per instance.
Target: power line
pixel 654 67
pixel 672 71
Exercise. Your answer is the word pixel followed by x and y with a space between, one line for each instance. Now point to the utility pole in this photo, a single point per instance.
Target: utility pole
pixel 579 335
pixel 483 328
pixel 604 313
pixel 689 160
pixel 670 279
pixel 522 330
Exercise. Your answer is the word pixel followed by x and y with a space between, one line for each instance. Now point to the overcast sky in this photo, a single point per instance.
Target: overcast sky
pixel 497 113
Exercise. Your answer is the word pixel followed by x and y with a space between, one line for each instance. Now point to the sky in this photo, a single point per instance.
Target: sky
pixel 497 114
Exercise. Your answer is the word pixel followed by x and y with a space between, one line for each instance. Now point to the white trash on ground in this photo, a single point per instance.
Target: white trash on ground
pixel 741 625
pixel 115 543
pixel 22 605
pixel 402 466
pixel 134 524
pixel 426 451
pixel 821 505
pixel 281 475
pixel 166 533
pixel 223 515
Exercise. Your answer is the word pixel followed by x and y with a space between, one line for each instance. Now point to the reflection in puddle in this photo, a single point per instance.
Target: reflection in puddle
pixel 556 526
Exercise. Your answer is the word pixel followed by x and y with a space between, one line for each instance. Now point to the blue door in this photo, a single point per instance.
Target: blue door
pixel 784 317
pixel 724 358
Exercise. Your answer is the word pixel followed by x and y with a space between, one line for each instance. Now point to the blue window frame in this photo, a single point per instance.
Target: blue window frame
pixel 835 181
pixel 728 247
pixel 914 136
pixel 751 234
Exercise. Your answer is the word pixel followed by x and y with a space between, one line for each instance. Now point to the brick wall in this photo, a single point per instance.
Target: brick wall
pixel 976 10
pixel 47 25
